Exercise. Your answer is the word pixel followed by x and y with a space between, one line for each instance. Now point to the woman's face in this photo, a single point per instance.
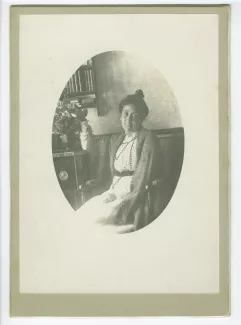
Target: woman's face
pixel 131 120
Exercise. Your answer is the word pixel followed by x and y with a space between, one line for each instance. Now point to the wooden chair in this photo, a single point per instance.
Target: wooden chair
pixel 160 191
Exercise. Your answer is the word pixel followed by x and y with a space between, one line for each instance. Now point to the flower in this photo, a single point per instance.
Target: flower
pixel 67 120
pixel 66 113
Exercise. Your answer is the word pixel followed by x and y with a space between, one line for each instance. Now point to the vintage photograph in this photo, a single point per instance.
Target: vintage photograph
pixel 118 142
pixel 119 155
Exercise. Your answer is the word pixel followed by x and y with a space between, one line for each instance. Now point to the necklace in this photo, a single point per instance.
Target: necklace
pixel 131 155
pixel 126 144
pixel 129 138
pixel 117 157
pixel 113 185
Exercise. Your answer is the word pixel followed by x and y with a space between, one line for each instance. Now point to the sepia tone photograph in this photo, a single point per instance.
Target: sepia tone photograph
pixel 119 197
pixel 118 142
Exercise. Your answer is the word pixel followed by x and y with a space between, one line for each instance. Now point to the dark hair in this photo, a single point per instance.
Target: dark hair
pixel 136 99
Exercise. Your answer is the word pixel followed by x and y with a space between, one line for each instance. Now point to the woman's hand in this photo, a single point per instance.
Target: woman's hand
pixel 157 182
pixel 109 198
pixel 92 183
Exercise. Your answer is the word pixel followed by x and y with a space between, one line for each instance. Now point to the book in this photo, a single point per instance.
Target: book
pixel 80 86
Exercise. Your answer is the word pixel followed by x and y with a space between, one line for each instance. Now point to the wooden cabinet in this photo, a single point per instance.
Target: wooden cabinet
pixel 72 171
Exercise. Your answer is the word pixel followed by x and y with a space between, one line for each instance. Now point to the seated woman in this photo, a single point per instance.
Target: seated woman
pixel 134 159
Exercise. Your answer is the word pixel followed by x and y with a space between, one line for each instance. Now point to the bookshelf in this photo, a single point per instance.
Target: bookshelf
pixel 81 86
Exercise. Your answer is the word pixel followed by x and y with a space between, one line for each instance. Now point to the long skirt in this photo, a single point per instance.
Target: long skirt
pixel 98 211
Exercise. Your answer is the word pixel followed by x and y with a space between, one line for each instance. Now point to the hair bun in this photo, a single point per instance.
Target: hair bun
pixel 139 93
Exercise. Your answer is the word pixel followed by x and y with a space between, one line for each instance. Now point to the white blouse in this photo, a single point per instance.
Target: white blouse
pixel 125 160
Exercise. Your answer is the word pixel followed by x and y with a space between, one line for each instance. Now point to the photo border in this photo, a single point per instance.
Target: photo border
pixel 123 305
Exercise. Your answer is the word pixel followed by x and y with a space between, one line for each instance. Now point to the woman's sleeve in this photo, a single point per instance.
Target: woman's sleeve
pixel 159 165
pixel 151 160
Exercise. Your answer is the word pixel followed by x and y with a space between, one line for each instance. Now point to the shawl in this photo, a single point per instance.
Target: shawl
pixel 148 168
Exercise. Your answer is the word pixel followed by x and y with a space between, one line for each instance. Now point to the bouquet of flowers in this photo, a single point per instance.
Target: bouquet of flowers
pixel 67 124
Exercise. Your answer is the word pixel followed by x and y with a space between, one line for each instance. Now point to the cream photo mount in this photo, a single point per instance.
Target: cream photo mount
pixel 123 305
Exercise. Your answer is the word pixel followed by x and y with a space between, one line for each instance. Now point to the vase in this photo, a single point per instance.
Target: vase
pixel 56 142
